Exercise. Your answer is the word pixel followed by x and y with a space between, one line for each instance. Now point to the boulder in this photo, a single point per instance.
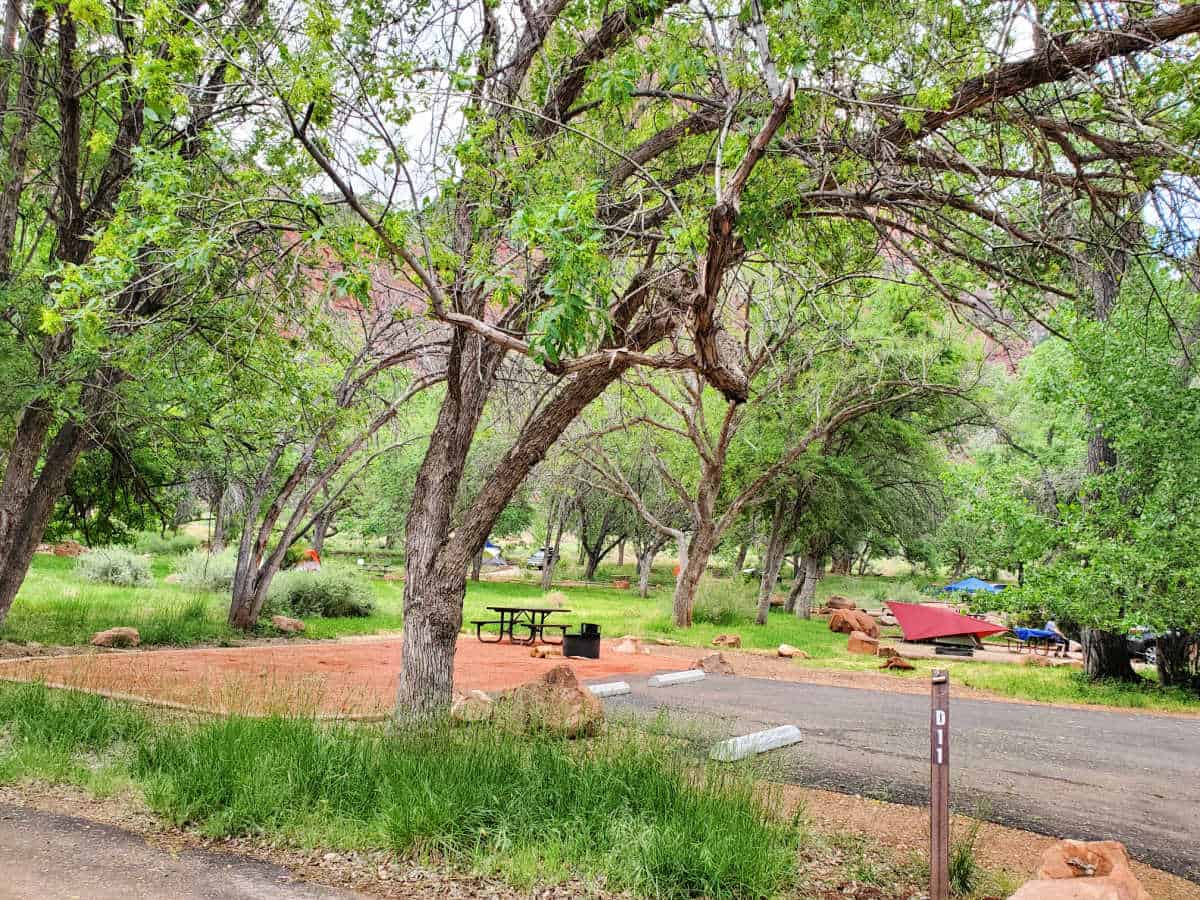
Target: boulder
pixel 117 637
pixel 897 662
pixel 837 602
pixel 714 664
pixel 886 619
pixel 887 652
pixel 628 644
pixel 862 643
pixel 666 642
pixel 544 651
pixel 847 621
pixel 787 651
pixel 69 548
pixel 287 624
pixel 475 706
pixel 1082 870
pixel 727 640
pixel 556 702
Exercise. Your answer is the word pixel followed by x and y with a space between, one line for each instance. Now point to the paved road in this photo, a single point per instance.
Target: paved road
pixel 1086 774
pixel 55 857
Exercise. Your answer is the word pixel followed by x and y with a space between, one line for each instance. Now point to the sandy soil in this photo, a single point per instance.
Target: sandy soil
pixel 906 830
pixel 332 678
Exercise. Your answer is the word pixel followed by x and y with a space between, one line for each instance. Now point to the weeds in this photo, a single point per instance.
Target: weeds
pixel 965 871
pixel 528 808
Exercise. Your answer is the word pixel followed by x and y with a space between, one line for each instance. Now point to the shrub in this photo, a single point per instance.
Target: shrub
pixel 210 571
pixel 114 565
pixel 723 602
pixel 155 544
pixel 293 554
pixel 326 593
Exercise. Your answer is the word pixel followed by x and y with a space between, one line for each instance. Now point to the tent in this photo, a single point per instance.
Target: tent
pixel 971 585
pixel 923 623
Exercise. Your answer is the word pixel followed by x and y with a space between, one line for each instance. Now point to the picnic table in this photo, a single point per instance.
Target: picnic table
pixel 530 618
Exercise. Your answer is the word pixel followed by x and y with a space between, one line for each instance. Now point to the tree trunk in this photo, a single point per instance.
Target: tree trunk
pixel 549 564
pixel 621 552
pixel 320 531
pixel 697 552
pixel 841 562
pixel 739 562
pixel 808 589
pixel 771 564
pixel 217 543
pixel 797 563
pixel 645 563
pixel 1106 655
pixel 476 565
pixel 593 557
pixel 1177 657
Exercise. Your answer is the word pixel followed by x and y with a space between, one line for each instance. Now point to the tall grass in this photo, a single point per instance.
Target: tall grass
pixel 532 809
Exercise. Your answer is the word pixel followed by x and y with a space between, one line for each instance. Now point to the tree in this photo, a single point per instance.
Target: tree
pixel 573 223
pixel 130 226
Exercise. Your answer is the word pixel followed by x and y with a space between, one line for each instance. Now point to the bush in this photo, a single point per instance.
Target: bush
pixel 210 571
pixel 330 594
pixel 723 602
pixel 114 565
pixel 293 554
pixel 156 545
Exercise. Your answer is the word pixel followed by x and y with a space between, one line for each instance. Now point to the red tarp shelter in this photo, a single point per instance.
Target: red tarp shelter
pixel 923 623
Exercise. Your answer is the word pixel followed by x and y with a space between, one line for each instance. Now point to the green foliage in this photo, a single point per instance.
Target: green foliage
pixel 210 571
pixel 328 593
pixel 723 602
pixel 172 545
pixel 114 565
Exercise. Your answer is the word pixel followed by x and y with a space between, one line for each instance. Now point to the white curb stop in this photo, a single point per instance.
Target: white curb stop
pixel 758 742
pixel 669 678
pixel 610 689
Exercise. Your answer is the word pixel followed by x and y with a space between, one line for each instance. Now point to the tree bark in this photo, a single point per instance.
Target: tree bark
pixel 645 564
pixel 476 565
pixel 772 563
pixel 1177 658
pixel 549 564
pixel 808 589
pixel 739 561
pixel 1106 655
pixel 698 552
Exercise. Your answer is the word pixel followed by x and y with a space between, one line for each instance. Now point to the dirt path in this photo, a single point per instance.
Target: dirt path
pixel 56 857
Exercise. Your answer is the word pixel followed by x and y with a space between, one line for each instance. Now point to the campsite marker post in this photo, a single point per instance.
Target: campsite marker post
pixel 939 786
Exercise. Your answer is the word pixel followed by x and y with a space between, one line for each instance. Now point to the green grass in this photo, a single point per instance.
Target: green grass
pixel 531 809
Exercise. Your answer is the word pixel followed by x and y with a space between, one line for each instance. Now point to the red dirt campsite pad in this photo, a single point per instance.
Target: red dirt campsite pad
pixel 356 677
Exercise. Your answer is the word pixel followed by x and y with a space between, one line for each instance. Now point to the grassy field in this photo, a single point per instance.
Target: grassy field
pixel 57 607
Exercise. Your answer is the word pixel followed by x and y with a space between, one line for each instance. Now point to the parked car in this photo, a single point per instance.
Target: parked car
pixel 537 559
pixel 1143 644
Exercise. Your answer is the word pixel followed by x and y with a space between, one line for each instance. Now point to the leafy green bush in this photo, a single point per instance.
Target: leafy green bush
pixel 156 545
pixel 723 602
pixel 210 571
pixel 113 565
pixel 328 593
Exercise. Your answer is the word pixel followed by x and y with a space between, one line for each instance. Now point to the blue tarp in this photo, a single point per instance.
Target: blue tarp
pixel 971 585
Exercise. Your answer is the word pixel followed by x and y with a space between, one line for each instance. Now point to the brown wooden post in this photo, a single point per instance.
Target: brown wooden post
pixel 939 786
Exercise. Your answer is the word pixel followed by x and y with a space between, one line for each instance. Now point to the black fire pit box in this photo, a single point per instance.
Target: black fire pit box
pixel 585 644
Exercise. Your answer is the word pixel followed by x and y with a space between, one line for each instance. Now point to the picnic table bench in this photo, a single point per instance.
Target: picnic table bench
pixel 530 618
